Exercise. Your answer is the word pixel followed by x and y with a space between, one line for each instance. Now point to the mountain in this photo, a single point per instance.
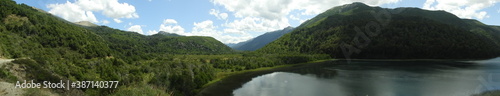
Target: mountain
pixel 49 48
pixel 262 40
pixel 232 45
pixel 86 23
pixel 27 32
pixel 360 31
pixel 168 34
pixel 53 49
pixel 132 43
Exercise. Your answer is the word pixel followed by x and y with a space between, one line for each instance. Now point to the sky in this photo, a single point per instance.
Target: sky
pixel 233 21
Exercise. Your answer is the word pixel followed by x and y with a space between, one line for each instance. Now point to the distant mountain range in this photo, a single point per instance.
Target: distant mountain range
pixel 360 31
pixel 261 40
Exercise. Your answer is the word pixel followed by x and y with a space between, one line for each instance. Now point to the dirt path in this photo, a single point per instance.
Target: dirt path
pixel 4 61
pixel 6 88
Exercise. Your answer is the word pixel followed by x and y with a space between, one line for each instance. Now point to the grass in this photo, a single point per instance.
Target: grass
pixel 7 76
pixel 489 93
pixel 34 92
pixel 140 90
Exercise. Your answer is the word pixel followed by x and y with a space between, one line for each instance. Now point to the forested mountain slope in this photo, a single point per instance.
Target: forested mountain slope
pixel 133 44
pixel 360 31
pixel 52 49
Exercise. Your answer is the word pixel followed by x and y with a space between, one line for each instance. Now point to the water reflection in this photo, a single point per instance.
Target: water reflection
pixel 378 78
pixel 287 84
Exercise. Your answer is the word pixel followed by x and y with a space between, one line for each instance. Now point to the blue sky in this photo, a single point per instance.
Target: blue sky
pixel 232 21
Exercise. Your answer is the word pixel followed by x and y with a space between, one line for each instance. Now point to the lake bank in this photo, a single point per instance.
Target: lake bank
pixel 233 79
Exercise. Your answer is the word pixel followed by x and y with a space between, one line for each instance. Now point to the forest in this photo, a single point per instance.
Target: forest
pixel 352 31
pixel 52 49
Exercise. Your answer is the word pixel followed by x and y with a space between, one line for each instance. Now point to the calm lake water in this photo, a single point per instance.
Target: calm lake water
pixel 368 78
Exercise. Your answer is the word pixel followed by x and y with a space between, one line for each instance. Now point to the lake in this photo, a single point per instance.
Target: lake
pixel 367 78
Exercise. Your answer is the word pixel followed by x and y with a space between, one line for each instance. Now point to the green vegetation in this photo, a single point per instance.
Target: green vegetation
pixel 137 46
pixel 168 34
pixel 52 49
pixel 139 90
pixel 410 33
pixel 7 76
pixel 489 93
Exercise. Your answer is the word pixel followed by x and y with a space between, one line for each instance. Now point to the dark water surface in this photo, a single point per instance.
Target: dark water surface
pixel 368 78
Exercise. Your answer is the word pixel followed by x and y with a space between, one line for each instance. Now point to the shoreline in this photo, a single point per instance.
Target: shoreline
pixel 226 74
pixel 247 75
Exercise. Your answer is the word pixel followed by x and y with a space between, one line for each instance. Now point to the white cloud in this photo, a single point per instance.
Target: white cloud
pixel 293 17
pixel 254 16
pixel 206 28
pixel 254 24
pixel 71 12
pixel 117 20
pixel 207 24
pixel 135 28
pixel 82 10
pixel 105 22
pixel 172 29
pixel 302 21
pixel 216 13
pixel 277 9
pixel 233 39
pixel 169 21
pixel 170 25
pixel 233 31
pixel 462 8
pixel 151 32
pixel 223 15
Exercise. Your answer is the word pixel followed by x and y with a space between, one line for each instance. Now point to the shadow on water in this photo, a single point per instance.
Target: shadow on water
pixel 226 86
pixel 365 78
pixel 407 78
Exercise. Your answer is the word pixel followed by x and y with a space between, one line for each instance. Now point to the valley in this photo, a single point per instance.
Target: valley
pixel 49 48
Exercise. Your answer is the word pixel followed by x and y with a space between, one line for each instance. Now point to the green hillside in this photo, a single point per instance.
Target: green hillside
pixel 168 34
pixel 27 32
pixel 403 33
pixel 262 40
pixel 132 44
pixel 52 49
